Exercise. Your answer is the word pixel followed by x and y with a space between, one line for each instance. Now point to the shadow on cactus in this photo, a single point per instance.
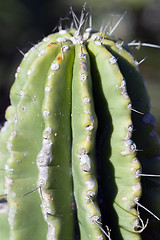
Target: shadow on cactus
pixel 77 140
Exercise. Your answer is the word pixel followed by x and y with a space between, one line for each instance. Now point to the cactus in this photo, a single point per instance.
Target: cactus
pixel 77 139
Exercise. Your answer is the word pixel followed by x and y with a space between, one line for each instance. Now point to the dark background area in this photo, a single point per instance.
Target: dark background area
pixel 25 22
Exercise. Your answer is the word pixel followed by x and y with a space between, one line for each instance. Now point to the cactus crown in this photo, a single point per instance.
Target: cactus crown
pixel 78 106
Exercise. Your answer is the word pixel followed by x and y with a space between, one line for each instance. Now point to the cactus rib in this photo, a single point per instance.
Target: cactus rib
pixel 84 124
pixel 79 131
pixel 123 149
pixel 54 158
pixel 23 152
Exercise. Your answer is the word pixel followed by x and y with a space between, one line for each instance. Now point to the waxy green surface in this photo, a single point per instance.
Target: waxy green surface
pixel 84 124
pixel 68 145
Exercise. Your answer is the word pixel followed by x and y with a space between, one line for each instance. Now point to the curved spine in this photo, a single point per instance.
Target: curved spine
pixel 84 124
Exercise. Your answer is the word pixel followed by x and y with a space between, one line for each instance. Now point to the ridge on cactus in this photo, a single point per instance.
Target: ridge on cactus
pixel 79 142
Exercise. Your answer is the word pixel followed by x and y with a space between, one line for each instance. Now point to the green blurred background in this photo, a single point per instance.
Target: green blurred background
pixel 25 22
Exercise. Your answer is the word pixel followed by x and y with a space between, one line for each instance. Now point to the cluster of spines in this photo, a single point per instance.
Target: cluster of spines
pixel 55 54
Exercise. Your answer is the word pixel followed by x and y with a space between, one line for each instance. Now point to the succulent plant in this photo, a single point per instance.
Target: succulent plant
pixel 77 139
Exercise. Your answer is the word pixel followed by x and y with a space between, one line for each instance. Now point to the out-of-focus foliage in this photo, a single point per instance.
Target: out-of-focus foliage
pixel 25 22
pixel 103 4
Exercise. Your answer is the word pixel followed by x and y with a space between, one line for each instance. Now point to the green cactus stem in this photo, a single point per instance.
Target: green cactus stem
pixel 78 136
pixel 84 124
pixel 54 158
pixel 122 155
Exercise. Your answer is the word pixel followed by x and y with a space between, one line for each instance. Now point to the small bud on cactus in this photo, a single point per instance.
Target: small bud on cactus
pixel 77 137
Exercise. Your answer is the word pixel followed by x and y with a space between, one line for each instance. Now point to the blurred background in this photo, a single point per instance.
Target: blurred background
pixel 25 22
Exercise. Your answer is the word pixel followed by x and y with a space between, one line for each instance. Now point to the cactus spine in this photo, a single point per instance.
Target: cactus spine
pixel 78 106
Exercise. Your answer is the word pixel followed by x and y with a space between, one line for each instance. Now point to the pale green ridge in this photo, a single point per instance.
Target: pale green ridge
pixel 143 122
pixel 25 216
pixel 54 159
pixel 84 125
pixel 121 155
